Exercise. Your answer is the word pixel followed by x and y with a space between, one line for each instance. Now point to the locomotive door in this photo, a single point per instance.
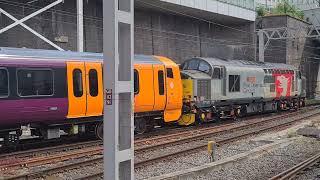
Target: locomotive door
pixel 94 88
pixel 76 89
pixel 159 87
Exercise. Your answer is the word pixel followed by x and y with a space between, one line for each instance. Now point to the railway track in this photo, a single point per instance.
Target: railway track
pixel 203 143
pixel 293 171
pixel 198 148
pixel 68 166
pixel 144 145
pixel 52 149
pixel 52 159
pixel 289 120
pixel 186 136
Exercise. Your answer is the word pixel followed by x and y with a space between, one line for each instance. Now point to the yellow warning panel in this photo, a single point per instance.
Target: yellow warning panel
pixel 187 119
pixel 187 85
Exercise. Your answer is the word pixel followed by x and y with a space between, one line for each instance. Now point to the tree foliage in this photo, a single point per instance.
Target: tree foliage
pixel 261 11
pixel 285 8
pixel 282 8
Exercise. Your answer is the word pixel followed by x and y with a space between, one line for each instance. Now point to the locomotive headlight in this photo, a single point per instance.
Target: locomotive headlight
pixel 203 116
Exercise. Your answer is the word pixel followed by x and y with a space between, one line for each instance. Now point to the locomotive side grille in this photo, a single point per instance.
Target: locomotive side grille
pixel 204 89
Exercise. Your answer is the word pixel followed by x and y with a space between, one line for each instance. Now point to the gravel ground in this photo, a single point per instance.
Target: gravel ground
pixel 228 150
pixel 272 163
pixel 196 159
pixel 79 172
pixel 269 164
pixel 310 173
pixel 170 149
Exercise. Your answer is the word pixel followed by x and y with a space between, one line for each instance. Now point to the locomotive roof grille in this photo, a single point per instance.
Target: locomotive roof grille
pixel 244 63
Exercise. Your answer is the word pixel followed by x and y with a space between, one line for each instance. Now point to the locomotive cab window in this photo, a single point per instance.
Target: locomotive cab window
pixel 136 82
pixel 4 83
pixel 161 82
pixel 216 73
pixel 93 82
pixel 169 73
pixel 77 83
pixel 204 67
pixel 35 82
pixel 193 65
pixel 234 83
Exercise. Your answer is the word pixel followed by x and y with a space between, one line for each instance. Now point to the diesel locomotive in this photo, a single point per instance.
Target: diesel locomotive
pixel 57 93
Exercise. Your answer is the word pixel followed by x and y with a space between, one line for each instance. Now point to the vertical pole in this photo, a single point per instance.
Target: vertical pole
pixel 118 77
pixel 261 46
pixel 80 25
pixel 255 41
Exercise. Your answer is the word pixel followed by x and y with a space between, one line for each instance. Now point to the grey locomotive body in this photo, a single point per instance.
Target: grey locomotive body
pixel 232 88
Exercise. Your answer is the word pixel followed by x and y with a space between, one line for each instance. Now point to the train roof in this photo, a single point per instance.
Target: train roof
pixel 63 55
pixel 243 63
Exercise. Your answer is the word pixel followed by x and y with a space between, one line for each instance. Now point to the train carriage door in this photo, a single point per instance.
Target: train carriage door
pixel 76 89
pixel 94 87
pixel 159 87
pixel 144 92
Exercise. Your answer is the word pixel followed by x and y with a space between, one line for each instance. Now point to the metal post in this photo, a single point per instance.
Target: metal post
pixel 21 22
pixel 261 46
pixel 118 77
pixel 80 25
pixel 30 16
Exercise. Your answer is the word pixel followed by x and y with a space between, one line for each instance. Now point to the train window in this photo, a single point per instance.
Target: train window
pixel 292 84
pixel 299 74
pixel 93 82
pixel 35 82
pixel 77 83
pixel 272 88
pixel 4 83
pixel 216 73
pixel 193 65
pixel 185 65
pixel 269 79
pixel 169 73
pixel 204 67
pixel 136 82
pixel 234 83
pixel 161 82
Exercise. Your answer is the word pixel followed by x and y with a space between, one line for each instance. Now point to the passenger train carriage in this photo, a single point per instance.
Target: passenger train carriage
pixel 53 91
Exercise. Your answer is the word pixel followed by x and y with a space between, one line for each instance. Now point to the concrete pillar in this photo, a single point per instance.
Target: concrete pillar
pixel 118 20
pixel 261 46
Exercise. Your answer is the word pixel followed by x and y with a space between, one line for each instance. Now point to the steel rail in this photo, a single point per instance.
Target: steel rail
pixel 205 133
pixel 91 176
pixel 31 152
pixel 193 131
pixel 53 159
pixel 55 169
pixel 159 158
pixel 222 141
pixel 293 171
